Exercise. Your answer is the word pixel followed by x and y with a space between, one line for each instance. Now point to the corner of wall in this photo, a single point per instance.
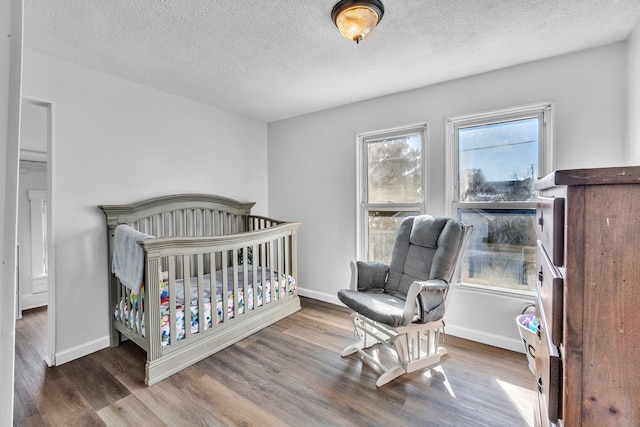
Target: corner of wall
pixel 633 97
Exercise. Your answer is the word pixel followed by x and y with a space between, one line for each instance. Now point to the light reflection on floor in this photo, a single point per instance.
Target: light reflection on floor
pixel 439 372
pixel 523 399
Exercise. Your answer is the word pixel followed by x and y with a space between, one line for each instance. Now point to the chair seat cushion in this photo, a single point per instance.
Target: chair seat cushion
pixel 377 306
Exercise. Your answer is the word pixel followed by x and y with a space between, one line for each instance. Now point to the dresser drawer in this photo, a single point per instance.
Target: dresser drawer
pixel 548 373
pixel 550 228
pixel 550 294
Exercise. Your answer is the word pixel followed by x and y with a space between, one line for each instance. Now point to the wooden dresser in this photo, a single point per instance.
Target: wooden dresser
pixel 588 298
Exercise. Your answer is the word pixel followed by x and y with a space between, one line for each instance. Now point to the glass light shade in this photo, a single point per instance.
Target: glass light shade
pixel 356 22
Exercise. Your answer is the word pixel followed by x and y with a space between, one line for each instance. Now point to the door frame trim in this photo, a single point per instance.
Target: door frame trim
pixel 50 358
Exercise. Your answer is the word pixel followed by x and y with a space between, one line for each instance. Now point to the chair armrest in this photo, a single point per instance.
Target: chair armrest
pixel 367 275
pixel 426 301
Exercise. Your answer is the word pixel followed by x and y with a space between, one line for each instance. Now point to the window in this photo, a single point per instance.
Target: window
pixel 391 187
pixel 494 159
pixel 39 245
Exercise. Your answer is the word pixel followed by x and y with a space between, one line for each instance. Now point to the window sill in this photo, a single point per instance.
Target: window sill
pixel 491 290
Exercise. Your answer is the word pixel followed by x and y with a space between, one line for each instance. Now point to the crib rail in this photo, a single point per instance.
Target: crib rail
pixel 257 222
pixel 244 291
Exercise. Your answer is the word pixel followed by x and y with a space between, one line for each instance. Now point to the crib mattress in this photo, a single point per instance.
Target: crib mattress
pixel 280 284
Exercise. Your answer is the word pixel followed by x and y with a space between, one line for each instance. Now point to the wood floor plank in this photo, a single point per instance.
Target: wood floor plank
pixel 127 357
pixel 94 382
pixel 290 373
pixel 175 407
pixel 61 404
pixel 232 408
pixel 129 411
pixel 31 421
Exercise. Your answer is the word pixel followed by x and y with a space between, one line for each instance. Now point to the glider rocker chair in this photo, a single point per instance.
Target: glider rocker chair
pixel 401 305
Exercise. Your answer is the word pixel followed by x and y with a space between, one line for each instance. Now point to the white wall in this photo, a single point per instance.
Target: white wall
pixel 10 84
pixel 312 161
pixel 633 105
pixel 34 131
pixel 118 142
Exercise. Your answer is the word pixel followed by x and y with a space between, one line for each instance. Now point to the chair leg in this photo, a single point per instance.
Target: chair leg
pixel 390 375
pixel 415 346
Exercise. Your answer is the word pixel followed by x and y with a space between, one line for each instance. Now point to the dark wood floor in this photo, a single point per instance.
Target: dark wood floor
pixel 290 373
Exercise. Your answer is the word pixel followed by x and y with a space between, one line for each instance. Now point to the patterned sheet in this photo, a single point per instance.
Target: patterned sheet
pixel 282 286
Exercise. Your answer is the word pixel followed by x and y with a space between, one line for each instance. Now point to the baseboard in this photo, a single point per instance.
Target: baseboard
pixel 33 300
pixel 330 298
pixel 81 350
pixel 485 338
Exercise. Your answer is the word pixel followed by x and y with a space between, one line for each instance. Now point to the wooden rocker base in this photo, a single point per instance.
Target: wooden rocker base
pixel 415 345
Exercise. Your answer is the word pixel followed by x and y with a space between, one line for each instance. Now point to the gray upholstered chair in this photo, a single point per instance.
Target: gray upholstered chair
pixel 402 305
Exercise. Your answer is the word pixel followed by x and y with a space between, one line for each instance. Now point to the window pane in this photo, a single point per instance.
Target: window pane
pixel 394 172
pixel 45 244
pixel 498 161
pixel 383 227
pixel 502 249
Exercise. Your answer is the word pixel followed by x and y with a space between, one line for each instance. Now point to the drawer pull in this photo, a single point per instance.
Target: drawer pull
pixel 540 384
pixel 539 329
pixel 541 221
pixel 540 276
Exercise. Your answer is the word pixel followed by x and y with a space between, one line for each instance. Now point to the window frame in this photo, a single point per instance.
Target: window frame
pixel 363 207
pixel 544 111
pixel 39 247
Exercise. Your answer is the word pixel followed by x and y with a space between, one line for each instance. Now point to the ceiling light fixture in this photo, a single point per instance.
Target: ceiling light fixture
pixel 356 19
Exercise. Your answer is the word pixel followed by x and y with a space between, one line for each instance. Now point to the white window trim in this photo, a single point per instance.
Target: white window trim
pixel 545 159
pixel 361 176
pixel 36 202
pixel 545 163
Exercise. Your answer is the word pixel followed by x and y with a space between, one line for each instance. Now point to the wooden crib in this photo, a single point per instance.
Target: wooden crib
pixel 203 286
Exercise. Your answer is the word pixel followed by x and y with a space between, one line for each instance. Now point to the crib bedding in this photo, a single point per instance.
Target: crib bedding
pixel 280 287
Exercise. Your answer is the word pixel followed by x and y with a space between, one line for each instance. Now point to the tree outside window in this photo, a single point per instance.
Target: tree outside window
pixel 391 167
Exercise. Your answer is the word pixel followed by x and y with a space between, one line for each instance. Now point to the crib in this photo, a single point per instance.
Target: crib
pixel 213 275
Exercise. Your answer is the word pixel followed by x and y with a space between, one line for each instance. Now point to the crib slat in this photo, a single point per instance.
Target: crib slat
pixel 214 307
pixel 137 318
pixel 177 227
pixel 280 267
pixel 202 319
pixel 263 266
pixel 197 219
pixel 294 254
pixel 272 267
pixel 186 306
pixel 172 299
pixel 123 297
pixel 234 263
pixel 127 306
pixel 287 261
pixel 245 281
pixel 166 227
pixel 188 220
pixel 215 217
pixel 206 223
pixel 254 285
pixel 225 281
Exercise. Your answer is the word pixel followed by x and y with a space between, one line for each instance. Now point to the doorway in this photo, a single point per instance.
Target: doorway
pixel 36 240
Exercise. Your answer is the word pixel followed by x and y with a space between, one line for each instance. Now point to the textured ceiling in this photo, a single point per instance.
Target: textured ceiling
pixel 274 59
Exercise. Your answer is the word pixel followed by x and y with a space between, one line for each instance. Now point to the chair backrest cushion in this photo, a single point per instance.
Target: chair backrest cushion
pixel 425 248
